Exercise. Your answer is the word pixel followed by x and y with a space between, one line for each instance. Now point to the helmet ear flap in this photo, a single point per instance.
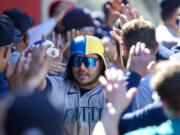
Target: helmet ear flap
pixel 100 62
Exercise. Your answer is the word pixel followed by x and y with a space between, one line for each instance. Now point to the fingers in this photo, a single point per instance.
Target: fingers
pixel 139 49
pixel 77 33
pixel 58 42
pixel 39 56
pixel 142 47
pixel 8 70
pixel 132 52
pixel 53 73
pixel 139 59
pixel 72 34
pixel 113 79
pixel 120 75
pixel 108 74
pixel 110 9
pixel 116 91
pixel 62 64
pixel 43 52
pixel 116 34
pixel 27 62
pixel 61 10
pixel 127 14
pixel 40 61
pixel 130 93
pixel 136 13
pixel 68 35
pixel 151 65
pixel 53 38
pixel 122 18
pixel 130 12
pixel 56 71
pixel 56 67
pixel 63 47
pixel 103 80
pixel 19 64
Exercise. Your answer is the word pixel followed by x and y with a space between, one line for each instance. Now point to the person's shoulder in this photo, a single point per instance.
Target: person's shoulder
pixel 161 27
pixel 55 78
pixel 143 131
pixel 59 81
pixel 163 129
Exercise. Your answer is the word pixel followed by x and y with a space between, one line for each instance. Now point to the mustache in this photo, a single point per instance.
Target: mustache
pixel 82 72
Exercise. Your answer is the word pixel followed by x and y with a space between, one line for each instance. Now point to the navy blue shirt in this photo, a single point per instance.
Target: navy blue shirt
pixel 163 53
pixel 149 115
pixel 4 85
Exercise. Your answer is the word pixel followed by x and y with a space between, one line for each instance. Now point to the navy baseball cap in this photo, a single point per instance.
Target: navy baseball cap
pixel 8 33
pixel 77 18
pixel 33 113
pixel 169 5
pixel 21 20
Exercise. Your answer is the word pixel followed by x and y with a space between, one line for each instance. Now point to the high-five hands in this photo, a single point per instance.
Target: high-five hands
pixel 117 96
pixel 140 59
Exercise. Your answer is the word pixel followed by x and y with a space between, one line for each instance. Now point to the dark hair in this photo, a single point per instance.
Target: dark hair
pixel 165 80
pixel 167 7
pixel 167 14
pixel 139 30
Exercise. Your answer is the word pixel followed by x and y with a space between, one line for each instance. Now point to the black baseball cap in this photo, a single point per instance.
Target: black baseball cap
pixel 8 33
pixel 169 5
pixel 22 21
pixel 77 18
pixel 32 113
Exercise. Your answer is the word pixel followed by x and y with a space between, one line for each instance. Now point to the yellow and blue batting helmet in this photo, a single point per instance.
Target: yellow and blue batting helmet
pixel 86 45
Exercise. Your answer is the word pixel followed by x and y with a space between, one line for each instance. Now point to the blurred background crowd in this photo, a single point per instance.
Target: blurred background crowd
pixel 82 67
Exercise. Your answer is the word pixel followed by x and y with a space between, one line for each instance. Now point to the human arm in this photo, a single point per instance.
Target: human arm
pixel 46 27
pixel 31 70
pixel 117 97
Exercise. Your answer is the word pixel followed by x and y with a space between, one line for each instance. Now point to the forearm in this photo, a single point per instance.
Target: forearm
pixel 119 64
pixel 28 85
pixel 108 124
pixel 42 86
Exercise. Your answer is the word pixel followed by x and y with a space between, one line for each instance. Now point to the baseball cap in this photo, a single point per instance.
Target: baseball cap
pixel 168 5
pixel 85 45
pixel 8 33
pixel 77 18
pixel 21 20
pixel 32 113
